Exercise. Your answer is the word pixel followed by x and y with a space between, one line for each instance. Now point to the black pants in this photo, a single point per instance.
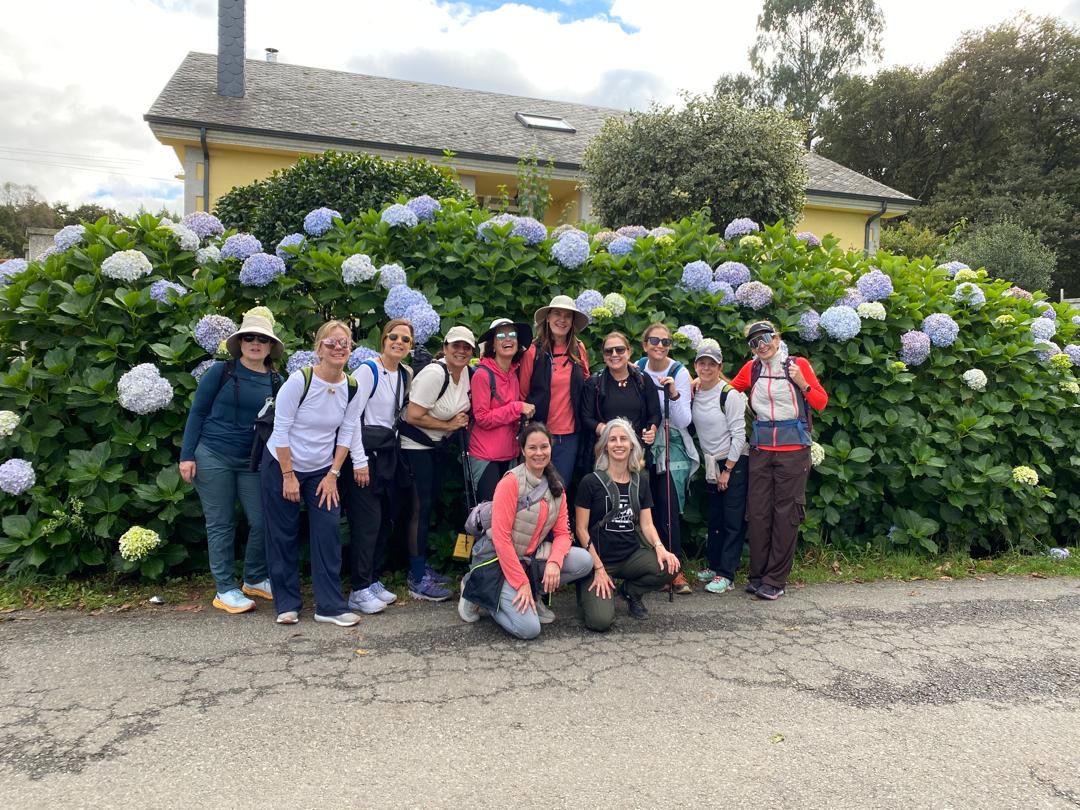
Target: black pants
pixel 658 485
pixel 371 518
pixel 426 468
pixel 727 521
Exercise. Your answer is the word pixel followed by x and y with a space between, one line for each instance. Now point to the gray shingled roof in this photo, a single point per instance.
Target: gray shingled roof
pixel 357 110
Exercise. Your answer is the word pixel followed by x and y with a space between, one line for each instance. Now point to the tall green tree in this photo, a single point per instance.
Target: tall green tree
pixel 804 48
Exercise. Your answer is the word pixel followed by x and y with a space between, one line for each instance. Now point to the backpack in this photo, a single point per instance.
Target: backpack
pixel 616 502
pixel 415 433
pixel 805 413
pixel 404 381
pixel 228 372
pixel 479 520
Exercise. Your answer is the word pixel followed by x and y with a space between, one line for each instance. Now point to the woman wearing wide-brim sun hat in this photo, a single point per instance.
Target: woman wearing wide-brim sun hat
pixel 552 374
pixel 497 405
pixel 215 457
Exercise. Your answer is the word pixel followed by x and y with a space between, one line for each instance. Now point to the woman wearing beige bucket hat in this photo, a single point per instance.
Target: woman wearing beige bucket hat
pixel 216 452
pixel 552 377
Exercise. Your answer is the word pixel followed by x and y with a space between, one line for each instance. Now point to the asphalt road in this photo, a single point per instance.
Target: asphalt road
pixel 938 695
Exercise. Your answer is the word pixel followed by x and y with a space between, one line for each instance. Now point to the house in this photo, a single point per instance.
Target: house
pixel 233 120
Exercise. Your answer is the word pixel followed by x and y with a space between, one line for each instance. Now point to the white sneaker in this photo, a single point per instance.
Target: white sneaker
pixel 341 620
pixel 544 613
pixel 366 602
pixel 383 593
pixel 468 611
pixel 288 617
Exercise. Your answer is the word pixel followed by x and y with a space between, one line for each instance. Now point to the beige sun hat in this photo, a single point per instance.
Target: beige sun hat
pixel 254 325
pixel 581 320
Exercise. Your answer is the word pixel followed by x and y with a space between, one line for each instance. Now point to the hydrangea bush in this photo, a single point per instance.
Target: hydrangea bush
pixel 908 443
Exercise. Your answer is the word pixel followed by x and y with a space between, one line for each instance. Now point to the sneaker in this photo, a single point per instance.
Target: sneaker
pixel 706 575
pixel 468 611
pixel 288 617
pixel 545 614
pixel 770 592
pixel 341 620
pixel 634 603
pixel 383 593
pixel 442 579
pixel 720 585
pixel 752 586
pixel 428 589
pixel 366 602
pixel 233 602
pixel 680 584
pixel 259 589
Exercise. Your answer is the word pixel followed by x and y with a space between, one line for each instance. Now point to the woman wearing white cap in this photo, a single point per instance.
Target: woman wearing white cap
pixel 438 406
pixel 552 375
pixel 216 452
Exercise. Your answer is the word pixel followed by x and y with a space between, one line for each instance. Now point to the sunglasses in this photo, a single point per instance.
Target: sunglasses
pixel 760 340
pixel 394 338
pixel 336 343
pixel 505 335
pixel 659 341
pixel 614 350
pixel 255 339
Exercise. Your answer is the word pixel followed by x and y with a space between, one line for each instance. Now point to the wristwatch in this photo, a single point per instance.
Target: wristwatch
pixel 335 473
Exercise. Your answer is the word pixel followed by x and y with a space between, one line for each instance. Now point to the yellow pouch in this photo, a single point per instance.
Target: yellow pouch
pixel 463 547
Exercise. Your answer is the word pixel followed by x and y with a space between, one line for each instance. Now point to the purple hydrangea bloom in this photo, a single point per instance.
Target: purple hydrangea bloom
pixel 292 240
pixel 533 231
pixel 483 230
pixel 566 229
pixel 691 333
pixel 740 227
pixel 1073 351
pixel 696 275
pixel 723 289
pixel 399 299
pixel 11 268
pixel 46 253
pixel 68 237
pixel 425 321
pixel 952 268
pixel 203 224
pixel 851 298
pixel 159 290
pixel 660 230
pixel 1017 292
pixel 1045 349
pixel 424 207
pixel 1046 310
pixel 589 300
pixel 211 330
pixel 201 369
pixel 875 286
pixel 620 246
pixel 1043 329
pixel 260 269
pixel 392 275
pixel 841 323
pixel 16 476
pixel 633 231
pixel 301 359
pixel 755 295
pixel 604 238
pixel 734 273
pixel 571 251
pixel 914 347
pixel 319 221
pixel 359 355
pixel 970 294
pixel 941 329
pixel 240 246
pixel 143 390
pixel 810 325
pixel 809 238
pixel 398 215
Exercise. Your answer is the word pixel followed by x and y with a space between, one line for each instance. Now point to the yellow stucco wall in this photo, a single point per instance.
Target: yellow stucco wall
pixel 230 168
pixel 847 226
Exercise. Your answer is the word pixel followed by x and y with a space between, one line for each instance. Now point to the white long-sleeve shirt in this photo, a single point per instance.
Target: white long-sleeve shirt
pixel 721 432
pixel 380 400
pixel 309 430
pixel 679 408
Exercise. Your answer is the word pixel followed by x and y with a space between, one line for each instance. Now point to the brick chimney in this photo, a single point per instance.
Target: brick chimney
pixel 230 66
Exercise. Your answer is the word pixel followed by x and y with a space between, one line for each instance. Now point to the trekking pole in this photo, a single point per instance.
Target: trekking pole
pixel 667 475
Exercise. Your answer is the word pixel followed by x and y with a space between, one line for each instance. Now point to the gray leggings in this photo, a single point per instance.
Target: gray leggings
pixel 576 564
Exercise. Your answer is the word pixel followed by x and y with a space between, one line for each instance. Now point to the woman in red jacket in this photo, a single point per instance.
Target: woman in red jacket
pixel 781 391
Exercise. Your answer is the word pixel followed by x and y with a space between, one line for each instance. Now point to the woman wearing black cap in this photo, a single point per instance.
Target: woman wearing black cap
pixel 781 390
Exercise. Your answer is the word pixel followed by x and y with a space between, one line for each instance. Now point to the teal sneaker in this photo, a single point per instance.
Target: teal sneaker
pixel 706 575
pixel 720 585
pixel 233 602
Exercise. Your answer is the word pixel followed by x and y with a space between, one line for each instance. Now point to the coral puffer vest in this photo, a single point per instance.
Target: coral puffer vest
pixel 526 521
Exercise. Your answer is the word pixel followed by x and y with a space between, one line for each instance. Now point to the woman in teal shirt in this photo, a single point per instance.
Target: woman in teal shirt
pixel 216 452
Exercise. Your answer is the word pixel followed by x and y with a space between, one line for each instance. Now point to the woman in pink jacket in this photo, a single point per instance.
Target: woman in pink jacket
pixel 497 405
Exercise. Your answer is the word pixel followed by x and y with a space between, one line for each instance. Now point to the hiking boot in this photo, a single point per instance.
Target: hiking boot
pixel 545 614
pixel 680 584
pixel 706 575
pixel 259 589
pixel 634 603
pixel 366 602
pixel 770 592
pixel 752 586
pixel 233 602
pixel 288 617
pixel 720 585
pixel 341 620
pixel 428 589
pixel 382 592
pixel 442 579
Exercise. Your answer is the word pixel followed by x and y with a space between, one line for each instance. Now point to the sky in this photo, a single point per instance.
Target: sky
pixel 76 77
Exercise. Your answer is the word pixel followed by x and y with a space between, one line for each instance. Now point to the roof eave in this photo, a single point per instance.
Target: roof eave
pixel 909 202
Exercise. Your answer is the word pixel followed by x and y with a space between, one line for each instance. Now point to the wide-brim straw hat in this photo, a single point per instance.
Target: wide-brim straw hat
pixel 524 331
pixel 581 320
pixel 254 325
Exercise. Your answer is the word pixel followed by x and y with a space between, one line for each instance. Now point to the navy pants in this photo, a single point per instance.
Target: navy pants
pixel 658 484
pixel 564 453
pixel 282 520
pixel 727 521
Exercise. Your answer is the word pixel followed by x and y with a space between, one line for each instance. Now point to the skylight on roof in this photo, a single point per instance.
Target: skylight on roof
pixel 544 122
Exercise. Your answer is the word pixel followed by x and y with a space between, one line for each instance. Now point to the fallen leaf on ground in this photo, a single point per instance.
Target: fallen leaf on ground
pixel 913 593
pixel 945 578
pixel 188 608
pixel 1037 575
pixel 361 651
pixel 775 738
pixel 836 567
pixel 981 579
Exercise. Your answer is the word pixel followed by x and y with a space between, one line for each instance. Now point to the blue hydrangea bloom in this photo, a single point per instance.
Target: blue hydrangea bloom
pixel 359 355
pixel 810 325
pixel 260 269
pixel 201 369
pixel 357 268
pixel 1076 320
pixel 841 323
pixel 875 286
pixel 68 237
pixel 723 289
pixel 211 330
pixel 16 476
pixel 1046 310
pixel 143 390
pixel 734 273
pixel 851 298
pixel 755 295
pixel 810 239
pixel 398 215
pixel 914 347
pixel 203 224
pixel 300 360
pixel 1073 351
pixel 391 275
pixel 425 321
pixel 571 251
pixel 691 333
pixel 240 246
pixel 941 329
pixel 633 231
pixel 11 268
pixel 483 230
pixel 159 290
pixel 1043 329
pixel 400 298
pixel 424 207
pixel 620 246
pixel 695 275
pixel 740 227
pixel 970 294
pixel 1045 349
pixel 533 231
pixel 660 230
pixel 952 268
pixel 319 221
pixel 292 240
pixel 589 300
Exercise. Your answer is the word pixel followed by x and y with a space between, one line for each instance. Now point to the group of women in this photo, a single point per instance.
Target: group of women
pixel 539 429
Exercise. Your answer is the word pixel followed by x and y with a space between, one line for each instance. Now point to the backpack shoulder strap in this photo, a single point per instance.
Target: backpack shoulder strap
pixel 727 389
pixel 755 372
pixel 446 380
pixel 228 369
pixel 307 371
pixel 491 381
pixel 635 493
pixel 676 367
pixel 353 386
pixel 374 372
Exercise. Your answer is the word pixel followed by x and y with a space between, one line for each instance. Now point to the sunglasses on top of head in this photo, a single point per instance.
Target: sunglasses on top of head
pixel 659 341
pixel 255 339
pixel 760 340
